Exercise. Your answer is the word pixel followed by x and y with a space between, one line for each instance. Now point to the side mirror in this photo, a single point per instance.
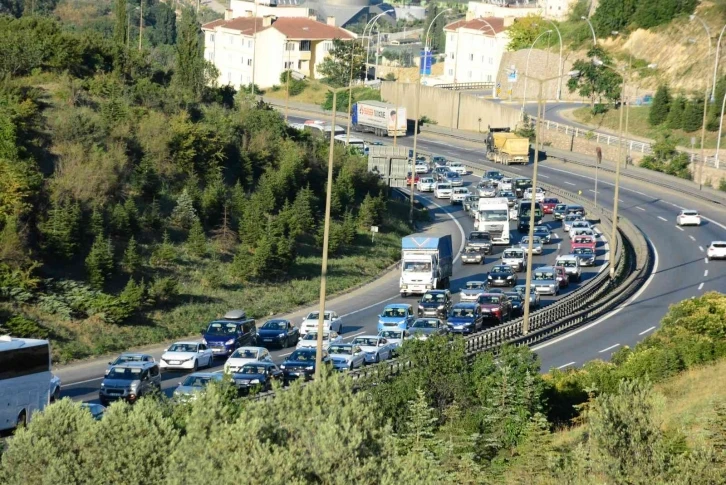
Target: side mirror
pixel 202 331
pixel 110 362
pixel 201 351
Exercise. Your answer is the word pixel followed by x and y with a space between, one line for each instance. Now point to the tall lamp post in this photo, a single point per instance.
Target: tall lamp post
pixel 370 25
pixel 561 66
pixel 705 101
pixel 540 98
pixel 720 130
pixel 526 68
pixel 326 237
pixel 592 29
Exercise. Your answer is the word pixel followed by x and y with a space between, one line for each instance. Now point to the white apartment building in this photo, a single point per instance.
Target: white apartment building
pixel 474 49
pixel 549 9
pixel 265 47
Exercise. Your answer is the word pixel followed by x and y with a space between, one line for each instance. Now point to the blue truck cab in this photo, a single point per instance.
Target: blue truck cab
pixel 233 330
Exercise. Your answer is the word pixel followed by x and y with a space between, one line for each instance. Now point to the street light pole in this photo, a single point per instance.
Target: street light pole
pixel 592 29
pixel 526 70
pixel 287 82
pixel 427 48
pixel 705 102
pixel 350 89
pixel 720 130
pixel 141 21
pixel 415 141
pixel 561 66
pixel 371 23
pixel 326 237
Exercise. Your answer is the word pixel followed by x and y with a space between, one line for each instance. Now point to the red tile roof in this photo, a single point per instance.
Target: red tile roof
pixel 485 24
pixel 299 28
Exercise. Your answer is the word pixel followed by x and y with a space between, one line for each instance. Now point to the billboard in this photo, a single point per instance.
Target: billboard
pixel 426 61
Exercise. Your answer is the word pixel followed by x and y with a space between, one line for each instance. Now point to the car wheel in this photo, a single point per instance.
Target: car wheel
pixel 285 343
pixel 196 365
pixel 22 420
pixel 378 358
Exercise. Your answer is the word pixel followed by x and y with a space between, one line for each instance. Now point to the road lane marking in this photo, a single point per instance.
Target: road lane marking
pixel 355 335
pixel 663 219
pixel 640 208
pixel 594 191
pixel 566 365
pixel 705 260
pixel 82 382
pixel 647 330
pixel 679 228
pixel 705 273
pixel 692 238
pixel 285 355
pixel 641 193
pixel 543 176
pixel 701 248
pixel 568 183
pixel 700 287
pixel 609 348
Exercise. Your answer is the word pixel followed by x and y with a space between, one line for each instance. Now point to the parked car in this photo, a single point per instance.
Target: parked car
pixel 586 255
pixel 480 239
pixel 129 382
pixel 258 376
pixel 472 290
pixel 549 204
pixel 331 321
pixel 688 217
pixel 465 318
pixel 245 355
pixel 495 306
pixel 374 347
pixel 502 275
pixel 301 364
pixel 517 302
pixel 454 179
pixel 426 184
pixel 346 356
pixel 544 233
pixel 442 190
pixel 717 250
pixel 472 255
pixel 536 244
pixel 195 383
pixel 186 356
pixel 396 315
pixel 423 328
pixel 434 303
pixel 279 332
pixel 130 357
pixel 310 340
pixel 571 263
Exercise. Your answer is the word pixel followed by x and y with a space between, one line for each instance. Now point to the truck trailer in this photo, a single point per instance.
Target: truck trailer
pixel 507 148
pixel 383 119
pixel 426 264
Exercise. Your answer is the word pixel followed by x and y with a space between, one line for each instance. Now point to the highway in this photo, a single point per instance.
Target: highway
pixel 681 270
pixel 360 309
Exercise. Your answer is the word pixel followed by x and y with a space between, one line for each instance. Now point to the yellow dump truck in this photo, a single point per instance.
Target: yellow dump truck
pixel 507 148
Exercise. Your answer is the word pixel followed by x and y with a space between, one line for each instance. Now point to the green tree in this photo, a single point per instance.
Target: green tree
pixel 523 32
pixel 120 32
pixel 676 112
pixel 189 74
pixel 660 107
pixel 595 81
pixel 97 224
pixel 164 31
pixel 659 12
pixel 197 240
pixel 303 210
pixel 184 213
pixel 437 37
pixel 337 66
pixel 61 230
pixel 613 15
pixel 133 295
pixel 131 261
pixel 164 253
pixel 99 262
pixel 693 115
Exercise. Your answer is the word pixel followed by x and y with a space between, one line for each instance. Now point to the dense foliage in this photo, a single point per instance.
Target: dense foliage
pixel 596 81
pixel 346 59
pixel 616 15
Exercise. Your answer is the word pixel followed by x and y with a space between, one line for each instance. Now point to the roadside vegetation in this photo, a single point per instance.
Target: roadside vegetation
pixel 137 203
pixel 447 419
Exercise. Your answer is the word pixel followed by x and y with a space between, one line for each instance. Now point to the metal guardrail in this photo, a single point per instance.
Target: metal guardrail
pixel 465 86
pixel 597 297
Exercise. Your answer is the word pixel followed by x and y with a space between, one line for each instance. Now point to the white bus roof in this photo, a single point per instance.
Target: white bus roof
pixel 11 343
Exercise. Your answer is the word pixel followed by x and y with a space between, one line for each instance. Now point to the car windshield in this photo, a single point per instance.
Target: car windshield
pixel 479 236
pixel 444 187
pixel 196 381
pixel 122 359
pixel 515 297
pixel 427 180
pixel 461 191
pixel 219 328
pixel 541 275
pixel 560 207
pixel 365 341
pixel 718 245
pixel 462 312
pixel 425 324
pixel 183 348
pixel 513 254
pixel 474 285
pixel 303 356
pixel 452 175
pixel 472 250
pixel 253 369
pixel 125 373
pixel 275 325
pixel 690 213
pixel 501 269
pixel 550 201
pixel 416 267
pixel 572 217
pixel 493 215
pixel 488 299
pixel 244 354
pixel 390 334
pixel 314 336
pixel 395 312
pixel 507 194
pixel 316 316
pixel 341 349
pixel 433 297
pixel 541 230
pixel 582 240
pixel 567 263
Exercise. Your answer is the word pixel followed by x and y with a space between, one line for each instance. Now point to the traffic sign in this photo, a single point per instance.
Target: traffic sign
pixel 512 76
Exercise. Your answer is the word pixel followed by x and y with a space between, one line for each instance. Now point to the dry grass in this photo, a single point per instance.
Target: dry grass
pixel 314 93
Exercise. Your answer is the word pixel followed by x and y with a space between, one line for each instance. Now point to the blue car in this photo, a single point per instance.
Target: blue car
pixel 234 330
pixel 465 318
pixel 396 316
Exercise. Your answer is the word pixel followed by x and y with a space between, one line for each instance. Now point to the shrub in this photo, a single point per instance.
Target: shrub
pixel 163 290
pixel 20 326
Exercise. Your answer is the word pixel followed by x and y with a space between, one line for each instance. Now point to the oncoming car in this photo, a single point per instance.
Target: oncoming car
pixel 187 356
pixel 442 190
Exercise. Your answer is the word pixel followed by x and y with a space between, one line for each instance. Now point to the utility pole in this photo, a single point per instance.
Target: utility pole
pixel 141 22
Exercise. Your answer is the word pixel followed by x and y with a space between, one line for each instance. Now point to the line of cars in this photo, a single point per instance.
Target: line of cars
pixel 690 217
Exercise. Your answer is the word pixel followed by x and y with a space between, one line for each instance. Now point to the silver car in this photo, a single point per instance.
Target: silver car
pixel 375 348
pixel 487 190
pixel 545 281
pixel 346 356
pixel 472 290
pixel 454 179
pixel 568 220
pixel 536 244
pixel 534 300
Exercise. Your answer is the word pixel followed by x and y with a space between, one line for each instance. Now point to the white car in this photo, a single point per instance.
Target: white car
pixel 331 321
pixel 375 347
pixel 539 194
pixel 536 244
pixel 245 355
pixel 442 190
pixel 688 218
pixel 515 257
pixel 187 356
pixel 459 194
pixel 505 184
pixel 457 167
pixel 310 340
pixel 568 220
pixel 580 225
pixel 717 250
pixel 426 184
pixel 514 212
pixel 421 167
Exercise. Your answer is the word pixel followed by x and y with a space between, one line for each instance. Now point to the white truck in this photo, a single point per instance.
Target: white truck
pixel 492 216
pixel 383 119
pixel 426 264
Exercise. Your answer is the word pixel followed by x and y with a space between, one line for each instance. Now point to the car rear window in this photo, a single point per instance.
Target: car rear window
pixel 719 245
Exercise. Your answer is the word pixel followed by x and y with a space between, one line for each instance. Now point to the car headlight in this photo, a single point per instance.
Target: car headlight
pixel 380 322
pixel 255 381
pixel 135 386
pixel 310 367
pixel 510 277
pixel 103 384
pixel 282 335
pixel 282 366
pixel 229 342
pixel 489 277
pixel 441 307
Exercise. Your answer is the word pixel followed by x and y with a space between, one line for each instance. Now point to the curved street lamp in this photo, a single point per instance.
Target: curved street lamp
pixel 705 101
pixel 561 66
pixel 592 29
pixel 370 24
pixel 526 69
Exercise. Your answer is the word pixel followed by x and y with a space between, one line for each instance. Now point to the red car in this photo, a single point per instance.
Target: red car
pixel 495 306
pixel 548 205
pixel 408 179
pixel 583 242
pixel 561 276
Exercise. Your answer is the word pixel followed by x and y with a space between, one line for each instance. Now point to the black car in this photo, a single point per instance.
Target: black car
pixel 502 275
pixel 543 233
pixel 257 375
pixel 301 364
pixel 435 303
pixel 517 303
pixel 480 239
pixel 278 332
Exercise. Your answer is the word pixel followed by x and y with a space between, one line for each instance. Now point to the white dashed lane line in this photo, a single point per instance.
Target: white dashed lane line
pixel 679 228
pixel 692 238
pixel 701 248
pixel 543 176
pixel 646 330
pixel 610 348
pixel 700 287
pixel 640 209
pixel 663 219
pixel 705 260
pixel 568 183
pixel 705 273
pixel 566 365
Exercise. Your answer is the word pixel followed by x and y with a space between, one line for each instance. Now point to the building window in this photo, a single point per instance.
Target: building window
pixel 249 61
pixel 482 59
pixel 242 60
pixel 451 72
pixel 471 57
pixel 289 46
pixel 491 60
pixel 452 55
pixel 305 45
pixel 211 38
pixel 469 74
pixel 328 46
pixel 288 65
pixel 249 43
pixel 231 39
pixel 489 78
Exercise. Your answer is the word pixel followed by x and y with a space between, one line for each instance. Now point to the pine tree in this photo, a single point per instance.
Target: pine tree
pixel 367 213
pixel 119 221
pixel 164 253
pixel 420 425
pixel 184 214
pixel 303 210
pixel 131 261
pixel 676 113
pixel 223 236
pixel 238 201
pixel 661 105
pixel 97 223
pixel 132 213
pixel 120 32
pixel 349 228
pixel 190 64
pixel 99 262
pixel 197 240
pixel 134 294
pixel 61 230
pixel 152 221
pixel 693 116
pixel 212 200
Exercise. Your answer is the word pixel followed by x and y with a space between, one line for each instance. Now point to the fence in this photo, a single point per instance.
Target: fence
pixel 465 86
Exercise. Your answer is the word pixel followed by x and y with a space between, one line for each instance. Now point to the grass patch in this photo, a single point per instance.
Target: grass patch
pixel 314 93
pixel 638 126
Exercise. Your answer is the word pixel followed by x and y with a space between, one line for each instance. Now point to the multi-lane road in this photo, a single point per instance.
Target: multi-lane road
pixel 681 270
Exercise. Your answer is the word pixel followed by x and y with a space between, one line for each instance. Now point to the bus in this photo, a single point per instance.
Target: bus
pixel 525 209
pixel 25 379
pixel 355 143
